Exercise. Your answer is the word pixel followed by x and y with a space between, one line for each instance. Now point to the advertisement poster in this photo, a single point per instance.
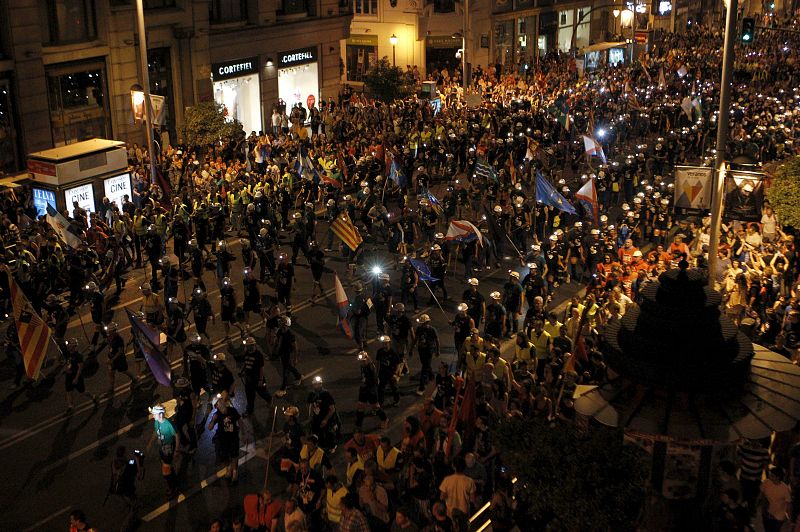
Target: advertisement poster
pixel 41 199
pixel 681 471
pixel 693 188
pixel 117 187
pixel 744 196
pixel 83 195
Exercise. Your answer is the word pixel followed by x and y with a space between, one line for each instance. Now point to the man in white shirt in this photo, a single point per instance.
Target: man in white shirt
pixel 458 490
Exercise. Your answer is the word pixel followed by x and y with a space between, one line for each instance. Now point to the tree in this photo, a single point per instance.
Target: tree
pixel 784 192
pixel 206 123
pixel 574 484
pixel 386 82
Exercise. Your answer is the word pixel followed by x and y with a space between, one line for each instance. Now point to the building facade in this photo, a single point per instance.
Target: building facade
pixel 67 66
pixel 429 34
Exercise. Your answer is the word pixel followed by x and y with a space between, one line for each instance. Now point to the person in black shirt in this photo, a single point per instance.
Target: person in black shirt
pixel 286 349
pixel 153 247
pixel 438 266
pixel 382 300
pixel 427 341
pixel 408 283
pixel 475 301
pixel 185 414
pixel 253 374
pixel 251 302
pixel 325 424
pixel 196 358
pixel 226 419
pixel 388 362
pixel 97 302
pixel 222 382
pixel 284 280
pixel 176 325
pixel 227 311
pixel 368 391
pixel 316 260
pixel 201 309
pixel 73 373
pixel 116 356
pixel 462 326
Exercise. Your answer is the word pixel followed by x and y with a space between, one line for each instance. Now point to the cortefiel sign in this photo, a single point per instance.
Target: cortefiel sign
pixel 297 57
pixel 83 194
pixel 117 187
pixel 235 68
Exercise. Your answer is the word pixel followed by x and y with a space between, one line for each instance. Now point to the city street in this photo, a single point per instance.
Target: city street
pixel 56 462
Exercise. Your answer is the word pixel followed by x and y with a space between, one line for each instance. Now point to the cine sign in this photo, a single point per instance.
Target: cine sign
pixel 82 195
pixel 117 187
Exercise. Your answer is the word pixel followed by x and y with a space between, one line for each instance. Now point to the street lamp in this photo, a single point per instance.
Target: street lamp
pixel 393 40
pixel 463 57
pixel 148 118
pixel 616 13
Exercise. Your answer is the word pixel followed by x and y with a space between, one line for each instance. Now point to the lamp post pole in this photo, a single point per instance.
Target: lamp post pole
pixel 465 68
pixel 723 123
pixel 393 41
pixel 148 118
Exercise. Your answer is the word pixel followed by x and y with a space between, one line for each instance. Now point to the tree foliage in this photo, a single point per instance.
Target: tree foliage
pixel 386 82
pixel 784 192
pixel 597 483
pixel 206 123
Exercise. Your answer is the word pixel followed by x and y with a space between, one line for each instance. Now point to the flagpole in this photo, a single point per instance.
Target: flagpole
pixel 434 298
pixel 269 445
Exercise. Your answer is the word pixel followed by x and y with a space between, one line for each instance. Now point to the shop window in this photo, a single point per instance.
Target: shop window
pixel 78 106
pixel 359 60
pixel 9 161
pixel 70 21
pixel 222 11
pixel 365 7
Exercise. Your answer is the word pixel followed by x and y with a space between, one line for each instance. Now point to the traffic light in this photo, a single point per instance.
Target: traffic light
pixel 748 30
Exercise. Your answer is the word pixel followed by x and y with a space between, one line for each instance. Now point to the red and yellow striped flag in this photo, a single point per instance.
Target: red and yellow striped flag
pixel 33 332
pixel 344 229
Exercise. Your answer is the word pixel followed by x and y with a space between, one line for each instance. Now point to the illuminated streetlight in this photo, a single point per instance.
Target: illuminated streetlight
pixel 393 40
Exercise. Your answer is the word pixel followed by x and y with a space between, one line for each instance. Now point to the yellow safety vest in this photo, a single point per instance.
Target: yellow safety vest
pixel 387 462
pixel 333 504
pixel 139 226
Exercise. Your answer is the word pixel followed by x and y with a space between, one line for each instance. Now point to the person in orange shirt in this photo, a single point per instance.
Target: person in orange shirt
pixel 679 246
pixel 626 252
pixel 637 264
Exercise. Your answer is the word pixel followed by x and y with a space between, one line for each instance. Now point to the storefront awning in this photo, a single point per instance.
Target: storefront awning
pixel 599 47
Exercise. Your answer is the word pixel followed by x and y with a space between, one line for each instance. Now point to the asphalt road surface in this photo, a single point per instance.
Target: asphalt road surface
pixel 54 462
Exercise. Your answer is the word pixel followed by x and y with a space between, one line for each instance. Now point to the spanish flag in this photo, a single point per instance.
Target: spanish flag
pixel 344 229
pixel 33 332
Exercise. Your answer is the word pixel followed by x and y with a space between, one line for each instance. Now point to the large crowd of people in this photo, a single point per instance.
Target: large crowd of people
pixel 401 172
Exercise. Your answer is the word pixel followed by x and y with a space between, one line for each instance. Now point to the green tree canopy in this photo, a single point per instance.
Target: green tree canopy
pixel 386 82
pixel 596 483
pixel 784 192
pixel 205 123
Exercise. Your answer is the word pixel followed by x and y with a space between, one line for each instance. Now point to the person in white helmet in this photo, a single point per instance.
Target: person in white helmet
pixel 426 341
pixel 168 443
pixel 117 362
pixel 73 373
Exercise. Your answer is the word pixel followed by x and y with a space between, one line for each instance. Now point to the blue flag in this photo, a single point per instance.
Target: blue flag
pixel 547 194
pixel 485 171
pixel 397 175
pixel 422 270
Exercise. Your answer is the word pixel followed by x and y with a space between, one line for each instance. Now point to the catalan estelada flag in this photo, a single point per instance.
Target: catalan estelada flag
pixel 32 331
pixel 344 229
pixel 343 305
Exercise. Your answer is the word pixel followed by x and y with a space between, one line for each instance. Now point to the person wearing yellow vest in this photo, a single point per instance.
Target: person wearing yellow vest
pixel 317 459
pixel 387 456
pixel 334 493
pixel 160 221
pixel 524 351
pixel 140 224
pixel 261 511
pixel 355 468
pixel 152 306
pixel 540 339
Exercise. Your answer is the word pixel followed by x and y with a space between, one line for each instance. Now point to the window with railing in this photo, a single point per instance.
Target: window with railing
pixel 365 7
pixel 296 7
pixel 222 11
pixel 444 6
pixel 69 21
pixel 158 4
